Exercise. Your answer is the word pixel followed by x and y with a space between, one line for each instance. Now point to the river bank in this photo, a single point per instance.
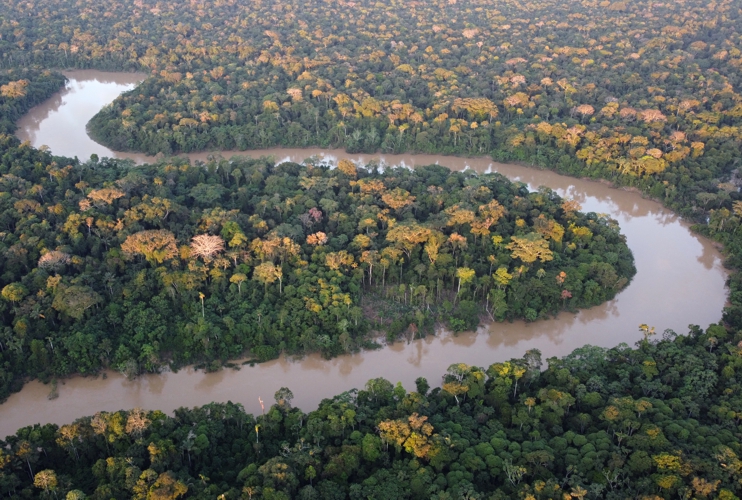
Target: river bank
pixel 680 280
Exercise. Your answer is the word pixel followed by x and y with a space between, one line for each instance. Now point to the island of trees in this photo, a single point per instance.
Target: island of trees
pixel 640 93
pixel 112 265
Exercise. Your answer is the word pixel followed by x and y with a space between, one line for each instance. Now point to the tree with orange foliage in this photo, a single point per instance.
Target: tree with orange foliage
pixel 348 168
pixel 317 239
pixel 457 242
pixel 493 211
pixel 570 207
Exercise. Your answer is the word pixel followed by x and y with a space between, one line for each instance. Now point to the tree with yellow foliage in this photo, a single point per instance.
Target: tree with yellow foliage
pixel 465 275
pixel 370 258
pixel 105 196
pixel 348 168
pixel 530 247
pixel 458 216
pixel 433 245
pixel 580 234
pixel 267 273
pixel 398 199
pixel 548 228
pixel 414 434
pixel 408 236
pixel 238 279
pixel 156 246
pixel 14 90
pixel 336 260
pixel 502 277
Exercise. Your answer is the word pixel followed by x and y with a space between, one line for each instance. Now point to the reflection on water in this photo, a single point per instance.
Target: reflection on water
pixel 679 281
pixel 60 121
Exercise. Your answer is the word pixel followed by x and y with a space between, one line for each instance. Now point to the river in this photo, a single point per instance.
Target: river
pixel 679 281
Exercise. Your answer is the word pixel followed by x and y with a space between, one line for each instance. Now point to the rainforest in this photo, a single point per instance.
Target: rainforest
pixel 187 264
pixel 111 265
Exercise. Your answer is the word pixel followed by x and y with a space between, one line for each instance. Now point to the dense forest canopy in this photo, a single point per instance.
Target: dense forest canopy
pixel 108 264
pixel 615 88
pixel 643 93
pixel 20 89
pixel 658 421
pixel 631 89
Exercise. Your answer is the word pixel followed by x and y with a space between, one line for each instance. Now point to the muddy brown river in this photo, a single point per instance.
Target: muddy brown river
pixel 679 281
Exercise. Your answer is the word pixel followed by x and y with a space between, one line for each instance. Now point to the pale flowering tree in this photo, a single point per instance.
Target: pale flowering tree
pixel 206 246
pixel 584 110
pixel 54 260
pixel 627 113
pixel 653 116
pixel 137 422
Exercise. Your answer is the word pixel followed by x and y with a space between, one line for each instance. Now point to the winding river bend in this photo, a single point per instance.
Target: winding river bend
pixel 680 280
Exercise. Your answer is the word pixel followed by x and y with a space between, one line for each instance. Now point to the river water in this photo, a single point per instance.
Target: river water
pixel 680 281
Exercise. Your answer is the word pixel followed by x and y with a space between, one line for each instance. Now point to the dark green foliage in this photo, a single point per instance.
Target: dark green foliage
pixel 306 259
pixel 561 85
pixel 37 86
pixel 660 419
